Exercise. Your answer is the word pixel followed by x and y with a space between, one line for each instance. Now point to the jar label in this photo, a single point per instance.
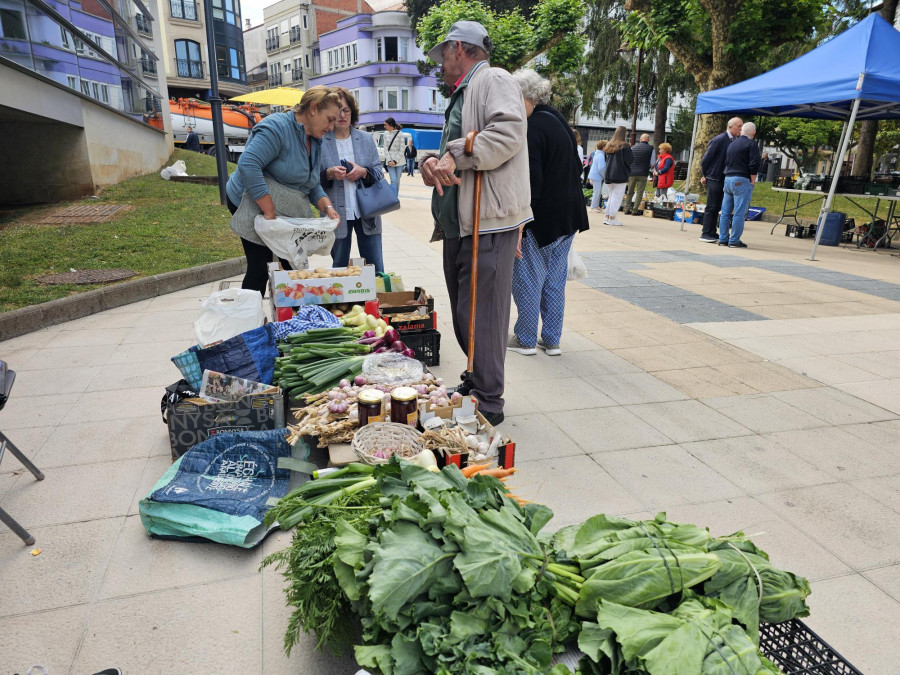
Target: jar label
pixel 376 418
pixel 413 418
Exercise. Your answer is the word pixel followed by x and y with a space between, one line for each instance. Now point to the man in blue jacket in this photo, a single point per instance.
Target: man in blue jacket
pixel 637 180
pixel 713 166
pixel 741 168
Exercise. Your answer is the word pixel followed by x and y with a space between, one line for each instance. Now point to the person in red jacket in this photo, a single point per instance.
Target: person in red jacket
pixel 664 172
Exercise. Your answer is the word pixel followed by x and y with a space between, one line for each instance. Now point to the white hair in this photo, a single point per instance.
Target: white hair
pixel 749 129
pixel 534 87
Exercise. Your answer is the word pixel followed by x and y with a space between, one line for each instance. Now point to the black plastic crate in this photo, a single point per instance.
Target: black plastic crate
pixel 426 344
pixel 800 231
pixel 797 650
pixel 666 214
pixel 851 184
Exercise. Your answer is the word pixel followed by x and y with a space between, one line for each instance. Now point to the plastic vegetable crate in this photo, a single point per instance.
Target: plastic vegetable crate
pixel 796 649
pixel 426 344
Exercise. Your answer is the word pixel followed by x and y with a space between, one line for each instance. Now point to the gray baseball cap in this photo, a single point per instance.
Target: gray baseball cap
pixel 471 32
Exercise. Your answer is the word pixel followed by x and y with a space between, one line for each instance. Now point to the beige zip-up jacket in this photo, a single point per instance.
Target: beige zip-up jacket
pixel 493 105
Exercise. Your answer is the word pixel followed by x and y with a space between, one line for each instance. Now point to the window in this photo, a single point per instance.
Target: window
pixel 404 99
pixel 305 23
pixel 85 87
pixel 187 59
pixel 330 61
pixel 104 93
pixel 306 60
pixel 391 97
pixel 64 37
pixel 187 9
pixel 12 24
pixel 404 49
pixel 72 81
pixel 390 49
pixel 378 48
pixel 355 56
pixel 286 66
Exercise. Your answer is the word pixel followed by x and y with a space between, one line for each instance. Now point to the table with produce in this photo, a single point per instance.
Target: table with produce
pixel 420 555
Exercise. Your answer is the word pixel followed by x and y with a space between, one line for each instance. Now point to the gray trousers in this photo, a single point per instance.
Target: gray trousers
pixel 496 255
pixel 634 194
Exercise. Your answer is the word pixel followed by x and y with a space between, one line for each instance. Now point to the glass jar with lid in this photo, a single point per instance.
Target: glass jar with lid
pixel 370 406
pixel 404 406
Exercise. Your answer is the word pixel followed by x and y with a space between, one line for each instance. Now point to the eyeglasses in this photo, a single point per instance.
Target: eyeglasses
pixel 344 111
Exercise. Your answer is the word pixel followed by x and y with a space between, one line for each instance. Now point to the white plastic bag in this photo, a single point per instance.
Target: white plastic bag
pixel 179 168
pixel 295 239
pixel 227 313
pixel 576 269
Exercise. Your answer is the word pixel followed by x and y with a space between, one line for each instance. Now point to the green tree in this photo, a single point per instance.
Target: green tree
pixel 552 29
pixel 721 42
pixel 802 140
pixel 419 8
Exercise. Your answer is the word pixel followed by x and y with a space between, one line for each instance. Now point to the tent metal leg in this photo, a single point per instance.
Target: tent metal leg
pixel 687 182
pixel 826 205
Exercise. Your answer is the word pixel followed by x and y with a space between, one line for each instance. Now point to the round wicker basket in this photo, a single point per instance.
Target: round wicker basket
pixel 408 442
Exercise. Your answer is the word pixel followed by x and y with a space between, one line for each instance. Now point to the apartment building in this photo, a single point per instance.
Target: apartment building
pixel 292 29
pixel 374 56
pixel 185 53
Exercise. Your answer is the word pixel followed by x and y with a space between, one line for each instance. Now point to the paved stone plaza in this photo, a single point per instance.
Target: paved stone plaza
pixel 744 390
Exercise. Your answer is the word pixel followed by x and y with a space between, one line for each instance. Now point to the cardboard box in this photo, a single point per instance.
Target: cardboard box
pixel 193 420
pixel 425 321
pixel 287 292
pixel 405 301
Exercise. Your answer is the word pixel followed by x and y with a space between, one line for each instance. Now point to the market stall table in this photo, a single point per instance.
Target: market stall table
pixel 892 219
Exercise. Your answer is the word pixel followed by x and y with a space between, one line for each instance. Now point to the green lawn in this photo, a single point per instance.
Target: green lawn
pixel 763 195
pixel 171 226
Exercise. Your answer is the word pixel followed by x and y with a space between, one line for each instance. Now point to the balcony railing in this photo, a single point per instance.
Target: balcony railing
pixel 296 74
pixel 274 79
pixel 184 9
pixel 272 43
pixel 143 25
pixel 188 68
pixel 295 34
pixel 148 66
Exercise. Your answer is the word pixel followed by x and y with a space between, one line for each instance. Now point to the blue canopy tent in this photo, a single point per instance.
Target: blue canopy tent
pixel 854 76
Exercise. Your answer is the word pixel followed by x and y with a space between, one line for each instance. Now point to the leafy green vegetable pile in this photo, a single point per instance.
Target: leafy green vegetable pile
pixel 435 573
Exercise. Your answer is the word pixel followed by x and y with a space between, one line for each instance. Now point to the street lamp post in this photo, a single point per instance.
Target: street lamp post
pixel 215 103
pixel 637 89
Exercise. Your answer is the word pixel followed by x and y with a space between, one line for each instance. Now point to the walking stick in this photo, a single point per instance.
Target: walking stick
pixel 469 375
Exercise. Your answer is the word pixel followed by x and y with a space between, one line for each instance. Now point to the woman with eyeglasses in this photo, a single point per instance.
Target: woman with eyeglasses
pixel 349 155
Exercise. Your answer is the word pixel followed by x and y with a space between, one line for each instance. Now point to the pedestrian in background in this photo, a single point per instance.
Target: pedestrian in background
pixel 539 274
pixel 664 171
pixel 486 100
pixel 595 175
pixel 343 147
pixel 279 170
pixel 619 159
pixel 393 153
pixel 713 167
pixel 763 168
pixel 192 142
pixel 409 153
pixel 741 168
pixel 637 180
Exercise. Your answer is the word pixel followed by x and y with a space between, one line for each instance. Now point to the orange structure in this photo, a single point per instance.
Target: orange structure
pixel 237 121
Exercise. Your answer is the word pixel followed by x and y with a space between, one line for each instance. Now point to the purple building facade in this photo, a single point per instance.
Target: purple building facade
pixel 374 56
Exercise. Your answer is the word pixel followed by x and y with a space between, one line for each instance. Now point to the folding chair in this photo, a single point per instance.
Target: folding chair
pixel 7 377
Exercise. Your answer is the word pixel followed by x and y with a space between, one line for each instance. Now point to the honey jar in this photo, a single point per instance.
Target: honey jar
pixel 370 406
pixel 404 406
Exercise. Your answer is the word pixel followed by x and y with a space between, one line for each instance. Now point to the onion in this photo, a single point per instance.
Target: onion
pixel 390 336
pixel 381 350
pixel 439 381
pixel 369 334
pixel 409 353
pixel 336 395
pixel 398 346
pixel 344 384
pixel 360 381
pixel 455 396
pixel 421 389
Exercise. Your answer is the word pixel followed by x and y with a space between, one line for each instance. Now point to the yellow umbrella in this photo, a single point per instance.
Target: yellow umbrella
pixel 285 96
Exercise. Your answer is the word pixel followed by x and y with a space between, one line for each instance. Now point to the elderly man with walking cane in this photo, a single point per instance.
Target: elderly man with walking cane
pixel 488 101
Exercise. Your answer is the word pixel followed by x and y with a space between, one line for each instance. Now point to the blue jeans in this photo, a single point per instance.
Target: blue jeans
pixel 369 246
pixel 410 166
pixel 395 172
pixel 735 200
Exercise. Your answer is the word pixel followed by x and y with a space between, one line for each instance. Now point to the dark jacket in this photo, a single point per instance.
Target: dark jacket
pixel 643 154
pixel 366 155
pixel 618 165
pixel 713 162
pixel 742 157
pixel 555 171
pixel 410 152
pixel 192 142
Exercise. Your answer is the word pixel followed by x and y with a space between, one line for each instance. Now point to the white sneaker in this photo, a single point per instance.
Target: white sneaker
pixel 549 350
pixel 615 222
pixel 515 346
